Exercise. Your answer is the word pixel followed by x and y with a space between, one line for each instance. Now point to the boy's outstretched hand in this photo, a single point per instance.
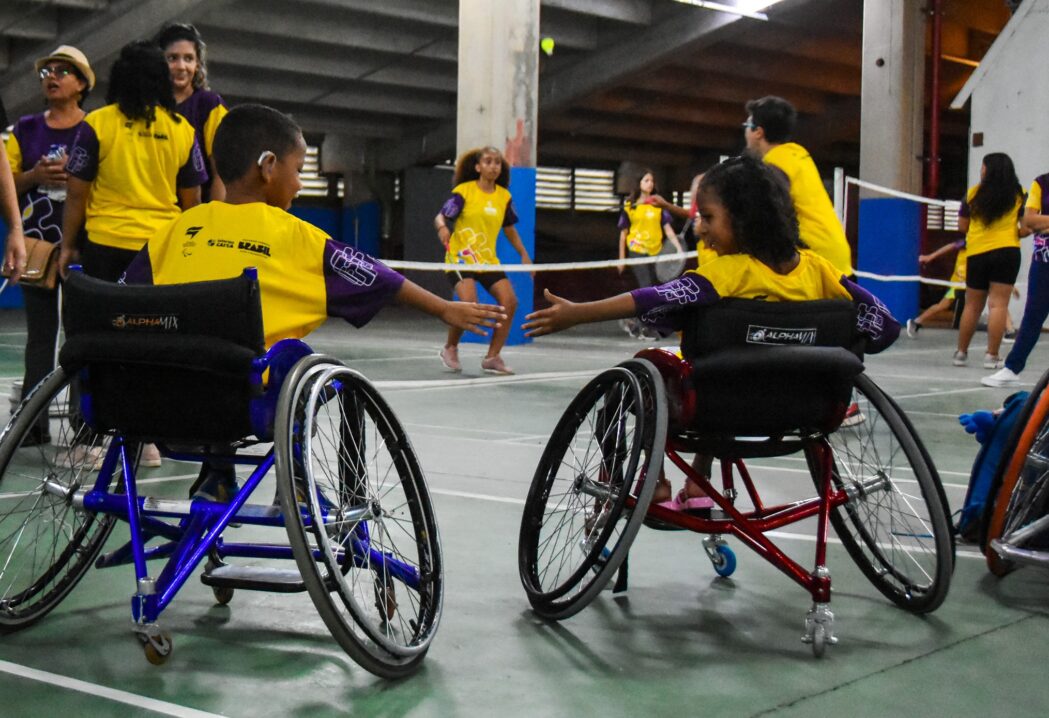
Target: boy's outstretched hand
pixel 473 317
pixel 558 316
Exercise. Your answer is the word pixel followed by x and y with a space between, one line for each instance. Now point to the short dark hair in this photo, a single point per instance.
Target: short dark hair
pixel 757 198
pixel 248 131
pixel 774 115
pixel 140 82
pixel 184 31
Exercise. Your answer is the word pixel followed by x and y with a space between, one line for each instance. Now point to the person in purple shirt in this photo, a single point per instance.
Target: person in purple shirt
pixel 186 55
pixel 37 149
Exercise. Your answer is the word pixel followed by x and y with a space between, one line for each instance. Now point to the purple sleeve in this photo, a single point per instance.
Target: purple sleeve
pixel 193 173
pixel 453 207
pixel 140 271
pixel 666 218
pixel 873 319
pixel 510 216
pixel 83 156
pixel 963 211
pixel 357 285
pixel 959 244
pixel 624 221
pixel 666 306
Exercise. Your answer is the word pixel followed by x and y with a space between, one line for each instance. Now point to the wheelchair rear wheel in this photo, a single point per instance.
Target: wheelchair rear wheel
pixel 1022 494
pixel 895 524
pixel 576 529
pixel 47 542
pixel 359 517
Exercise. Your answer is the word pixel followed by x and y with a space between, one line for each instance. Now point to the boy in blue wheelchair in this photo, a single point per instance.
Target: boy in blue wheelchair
pixel 214 351
pixel 747 217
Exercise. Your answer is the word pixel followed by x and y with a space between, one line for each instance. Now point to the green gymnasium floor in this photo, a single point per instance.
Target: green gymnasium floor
pixel 681 641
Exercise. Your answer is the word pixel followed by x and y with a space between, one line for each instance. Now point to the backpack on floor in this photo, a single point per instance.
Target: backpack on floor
pixel 993 431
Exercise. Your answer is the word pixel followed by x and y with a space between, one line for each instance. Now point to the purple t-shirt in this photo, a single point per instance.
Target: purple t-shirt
pixel 198 109
pixel 41 213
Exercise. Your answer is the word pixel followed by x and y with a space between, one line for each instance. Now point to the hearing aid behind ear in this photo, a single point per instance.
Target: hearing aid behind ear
pixel 262 157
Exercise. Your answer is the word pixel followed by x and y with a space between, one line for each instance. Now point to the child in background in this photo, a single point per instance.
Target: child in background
pixel 304 275
pixel 479 207
pixel 745 215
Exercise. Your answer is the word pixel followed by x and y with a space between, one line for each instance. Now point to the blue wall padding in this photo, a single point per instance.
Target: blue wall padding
pixel 889 244
pixel 357 226
pixel 522 187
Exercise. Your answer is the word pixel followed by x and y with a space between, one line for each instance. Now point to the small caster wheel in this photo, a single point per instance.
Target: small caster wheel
pixel 819 639
pixel 158 647
pixel 223 594
pixel 724 561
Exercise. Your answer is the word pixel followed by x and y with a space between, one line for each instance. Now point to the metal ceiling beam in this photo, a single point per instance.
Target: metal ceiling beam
pixel 596 125
pixel 28 23
pixel 444 13
pixel 635 12
pixel 751 64
pixel 700 83
pixel 100 37
pixel 77 4
pixel 341 29
pixel 317 120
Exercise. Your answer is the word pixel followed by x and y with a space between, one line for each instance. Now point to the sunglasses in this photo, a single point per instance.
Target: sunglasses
pixel 749 126
pixel 57 72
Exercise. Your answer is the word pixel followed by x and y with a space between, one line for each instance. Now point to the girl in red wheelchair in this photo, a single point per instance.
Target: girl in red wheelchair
pixel 747 217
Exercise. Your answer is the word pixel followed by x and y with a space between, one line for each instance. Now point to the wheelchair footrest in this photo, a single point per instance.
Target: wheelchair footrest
pixel 255 578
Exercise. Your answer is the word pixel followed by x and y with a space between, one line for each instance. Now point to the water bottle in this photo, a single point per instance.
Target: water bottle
pixel 56 193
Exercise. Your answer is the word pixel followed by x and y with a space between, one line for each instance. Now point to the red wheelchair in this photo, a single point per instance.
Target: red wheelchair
pixel 758 379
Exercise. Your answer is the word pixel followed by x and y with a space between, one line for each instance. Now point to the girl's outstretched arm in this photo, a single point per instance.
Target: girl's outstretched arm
pixel 469 316
pixel 562 314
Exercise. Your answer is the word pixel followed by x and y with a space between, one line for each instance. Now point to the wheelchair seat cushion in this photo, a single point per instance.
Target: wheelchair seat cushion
pixel 171 363
pixel 772 368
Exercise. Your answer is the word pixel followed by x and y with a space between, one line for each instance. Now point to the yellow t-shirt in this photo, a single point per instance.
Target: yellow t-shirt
pixel 740 275
pixel 818 224
pixel 1001 233
pixel 644 225
pixel 304 275
pixel 134 171
pixel 478 216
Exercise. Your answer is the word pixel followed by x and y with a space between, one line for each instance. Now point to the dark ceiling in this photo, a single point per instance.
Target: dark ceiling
pixel 654 81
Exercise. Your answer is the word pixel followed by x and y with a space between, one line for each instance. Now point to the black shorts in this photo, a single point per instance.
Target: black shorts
pixel 999 266
pixel 485 279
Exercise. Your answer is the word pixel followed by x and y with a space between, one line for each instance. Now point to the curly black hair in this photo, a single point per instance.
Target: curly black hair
pixel 466 166
pixel 757 199
pixel 998 191
pixel 140 82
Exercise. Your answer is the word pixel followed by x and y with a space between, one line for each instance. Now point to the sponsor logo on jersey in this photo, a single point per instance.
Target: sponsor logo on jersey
pixel 246 245
pixel 221 243
pixel 351 265
pixel 192 231
pixel 776 335
pixel 146 322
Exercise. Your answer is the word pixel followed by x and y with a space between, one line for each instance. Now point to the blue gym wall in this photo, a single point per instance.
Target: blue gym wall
pixel 890 241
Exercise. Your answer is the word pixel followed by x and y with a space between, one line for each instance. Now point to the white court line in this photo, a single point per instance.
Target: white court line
pixel 775 534
pixel 410 384
pixel 948 392
pixel 113 694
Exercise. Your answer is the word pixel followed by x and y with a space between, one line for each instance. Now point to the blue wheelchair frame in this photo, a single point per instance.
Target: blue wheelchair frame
pixel 199 530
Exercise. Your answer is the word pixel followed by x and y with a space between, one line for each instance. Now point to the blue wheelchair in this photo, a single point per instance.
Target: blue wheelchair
pixel 184 366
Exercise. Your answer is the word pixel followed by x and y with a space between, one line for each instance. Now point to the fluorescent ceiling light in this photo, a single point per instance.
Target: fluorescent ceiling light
pixel 744 8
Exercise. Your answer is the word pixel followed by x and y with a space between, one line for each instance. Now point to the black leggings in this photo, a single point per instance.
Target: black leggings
pixel 41 310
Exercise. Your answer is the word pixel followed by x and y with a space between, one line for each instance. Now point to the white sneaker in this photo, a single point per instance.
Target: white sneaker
pixel 1004 377
pixel 913 328
pixel 150 457
pixel 960 358
pixel 990 361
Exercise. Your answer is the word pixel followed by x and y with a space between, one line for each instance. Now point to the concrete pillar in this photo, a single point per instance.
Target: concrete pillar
pixel 893 95
pixel 497 105
pixel 499 77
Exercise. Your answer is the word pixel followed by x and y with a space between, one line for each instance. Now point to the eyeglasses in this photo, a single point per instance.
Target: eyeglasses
pixel 749 126
pixel 57 72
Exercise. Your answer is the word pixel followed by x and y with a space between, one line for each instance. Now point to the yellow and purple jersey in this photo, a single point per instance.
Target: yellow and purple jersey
pixel 205 111
pixel 818 224
pixel 135 170
pixel 304 275
pixel 478 216
pixel 1038 201
pixel 30 140
pixel 644 224
pixel 1001 233
pixel 665 307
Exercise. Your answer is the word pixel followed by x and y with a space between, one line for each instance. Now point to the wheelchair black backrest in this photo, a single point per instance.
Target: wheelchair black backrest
pixel 168 362
pixel 770 368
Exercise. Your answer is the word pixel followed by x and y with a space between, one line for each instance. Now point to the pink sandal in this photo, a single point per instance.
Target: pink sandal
pixel 683 502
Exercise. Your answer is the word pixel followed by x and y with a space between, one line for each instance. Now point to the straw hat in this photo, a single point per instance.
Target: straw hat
pixel 68 53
